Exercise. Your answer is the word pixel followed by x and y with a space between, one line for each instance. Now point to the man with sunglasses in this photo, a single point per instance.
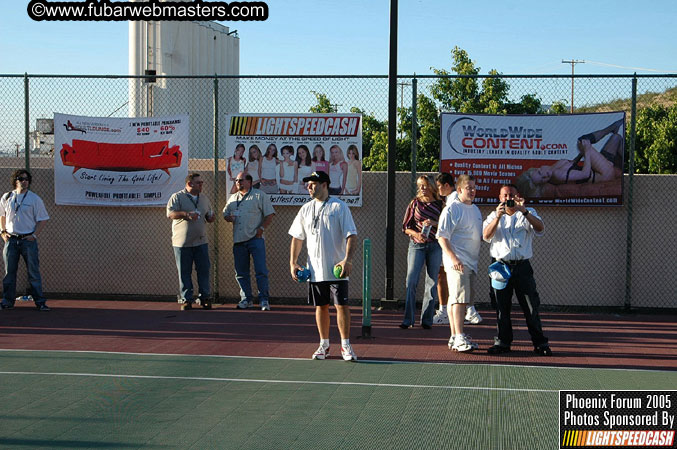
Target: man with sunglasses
pixel 189 212
pixel 251 213
pixel 22 217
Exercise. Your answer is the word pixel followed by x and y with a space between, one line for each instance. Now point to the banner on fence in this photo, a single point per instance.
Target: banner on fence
pixel 107 161
pixel 567 160
pixel 279 150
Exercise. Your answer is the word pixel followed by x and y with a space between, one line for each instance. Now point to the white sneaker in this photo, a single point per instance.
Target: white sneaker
pixel 244 304
pixel 461 344
pixel 265 305
pixel 472 316
pixel 441 318
pixel 321 353
pixel 348 353
pixel 450 344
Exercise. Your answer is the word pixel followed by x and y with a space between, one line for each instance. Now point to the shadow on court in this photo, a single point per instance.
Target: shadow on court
pixel 631 341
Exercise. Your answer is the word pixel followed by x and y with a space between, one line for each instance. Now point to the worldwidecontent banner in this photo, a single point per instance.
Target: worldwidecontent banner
pixel 564 160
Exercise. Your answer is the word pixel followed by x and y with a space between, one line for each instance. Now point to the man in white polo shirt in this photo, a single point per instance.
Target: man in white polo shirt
pixel 327 226
pixel 22 216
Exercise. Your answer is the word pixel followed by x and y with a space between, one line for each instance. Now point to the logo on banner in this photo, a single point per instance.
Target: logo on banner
pixel 617 419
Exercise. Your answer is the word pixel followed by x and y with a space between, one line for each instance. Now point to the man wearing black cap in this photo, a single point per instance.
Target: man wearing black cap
pixel 327 226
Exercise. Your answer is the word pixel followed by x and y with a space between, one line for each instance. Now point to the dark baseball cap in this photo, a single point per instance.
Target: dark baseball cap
pixel 319 176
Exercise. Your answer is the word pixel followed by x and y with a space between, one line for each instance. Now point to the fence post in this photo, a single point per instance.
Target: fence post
pixel 26 124
pixel 414 134
pixel 366 289
pixel 631 171
pixel 215 196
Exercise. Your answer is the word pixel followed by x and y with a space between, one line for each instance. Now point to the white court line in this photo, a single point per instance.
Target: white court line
pixel 246 380
pixel 363 361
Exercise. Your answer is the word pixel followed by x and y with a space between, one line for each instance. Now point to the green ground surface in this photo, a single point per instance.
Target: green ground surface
pixel 97 400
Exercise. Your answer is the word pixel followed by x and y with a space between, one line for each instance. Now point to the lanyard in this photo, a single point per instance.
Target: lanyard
pixel 17 205
pixel 243 197
pixel 316 218
pixel 190 197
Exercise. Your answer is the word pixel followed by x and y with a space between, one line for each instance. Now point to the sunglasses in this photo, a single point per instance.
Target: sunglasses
pixel 22 179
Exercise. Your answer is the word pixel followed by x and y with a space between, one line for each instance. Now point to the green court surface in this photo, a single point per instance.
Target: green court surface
pixel 62 399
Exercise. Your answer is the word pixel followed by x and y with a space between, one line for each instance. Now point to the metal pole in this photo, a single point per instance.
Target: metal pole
pixel 366 288
pixel 215 196
pixel 26 124
pixel 392 152
pixel 414 135
pixel 631 171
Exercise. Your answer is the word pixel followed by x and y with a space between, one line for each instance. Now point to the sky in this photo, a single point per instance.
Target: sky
pixel 340 37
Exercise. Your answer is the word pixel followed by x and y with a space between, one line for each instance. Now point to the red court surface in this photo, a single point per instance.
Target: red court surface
pixel 624 341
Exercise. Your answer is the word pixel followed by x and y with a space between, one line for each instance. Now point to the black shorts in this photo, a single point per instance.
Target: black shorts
pixel 324 292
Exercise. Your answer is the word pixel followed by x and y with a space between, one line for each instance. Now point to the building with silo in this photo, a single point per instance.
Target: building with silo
pixel 187 49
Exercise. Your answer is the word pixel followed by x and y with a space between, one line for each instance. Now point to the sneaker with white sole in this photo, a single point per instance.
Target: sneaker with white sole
pixel 462 344
pixel 441 318
pixel 472 316
pixel 265 306
pixel 244 304
pixel 348 353
pixel 322 352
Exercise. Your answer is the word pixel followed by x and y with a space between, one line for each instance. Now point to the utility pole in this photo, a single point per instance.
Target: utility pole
pixel 402 85
pixel 573 62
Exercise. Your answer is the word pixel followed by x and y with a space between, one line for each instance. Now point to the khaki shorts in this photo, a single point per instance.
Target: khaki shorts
pixel 461 286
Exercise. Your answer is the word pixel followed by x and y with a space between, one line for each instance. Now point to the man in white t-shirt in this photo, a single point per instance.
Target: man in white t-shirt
pixel 327 226
pixel 460 236
pixel 22 216
pixel 445 187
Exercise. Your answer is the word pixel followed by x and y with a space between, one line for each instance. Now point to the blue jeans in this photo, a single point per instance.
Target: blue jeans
pixel 15 248
pixel 185 257
pixel 429 254
pixel 256 248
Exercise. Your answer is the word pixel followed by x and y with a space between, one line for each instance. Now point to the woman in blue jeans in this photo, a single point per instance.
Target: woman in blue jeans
pixel 420 224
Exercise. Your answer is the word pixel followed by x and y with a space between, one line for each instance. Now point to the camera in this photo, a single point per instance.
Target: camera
pixel 510 203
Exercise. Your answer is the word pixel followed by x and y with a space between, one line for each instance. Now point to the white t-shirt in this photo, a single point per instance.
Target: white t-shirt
pixel 514 236
pixel 324 226
pixel 461 224
pixel 22 211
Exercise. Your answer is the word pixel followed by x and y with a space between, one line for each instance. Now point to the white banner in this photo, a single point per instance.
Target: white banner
pixel 107 161
pixel 572 159
pixel 279 150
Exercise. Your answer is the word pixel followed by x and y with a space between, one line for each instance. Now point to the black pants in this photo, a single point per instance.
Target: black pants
pixel 523 284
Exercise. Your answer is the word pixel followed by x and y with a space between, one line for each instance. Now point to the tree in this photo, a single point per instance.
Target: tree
pixel 656 142
pixel 323 104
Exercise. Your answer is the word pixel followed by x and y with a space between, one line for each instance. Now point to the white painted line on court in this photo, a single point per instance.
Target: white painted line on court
pixel 246 380
pixel 362 361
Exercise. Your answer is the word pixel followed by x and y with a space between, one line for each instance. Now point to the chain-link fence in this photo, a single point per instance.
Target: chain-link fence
pixel 588 257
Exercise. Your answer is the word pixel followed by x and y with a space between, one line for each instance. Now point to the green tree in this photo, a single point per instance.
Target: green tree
pixel 323 104
pixel 656 142
pixel 370 127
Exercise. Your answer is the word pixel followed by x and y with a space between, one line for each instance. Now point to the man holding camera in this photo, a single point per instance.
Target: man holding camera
pixel 510 231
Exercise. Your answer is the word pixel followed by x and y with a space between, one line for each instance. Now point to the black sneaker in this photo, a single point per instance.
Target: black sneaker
pixel 543 350
pixel 43 307
pixel 497 349
pixel 186 306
